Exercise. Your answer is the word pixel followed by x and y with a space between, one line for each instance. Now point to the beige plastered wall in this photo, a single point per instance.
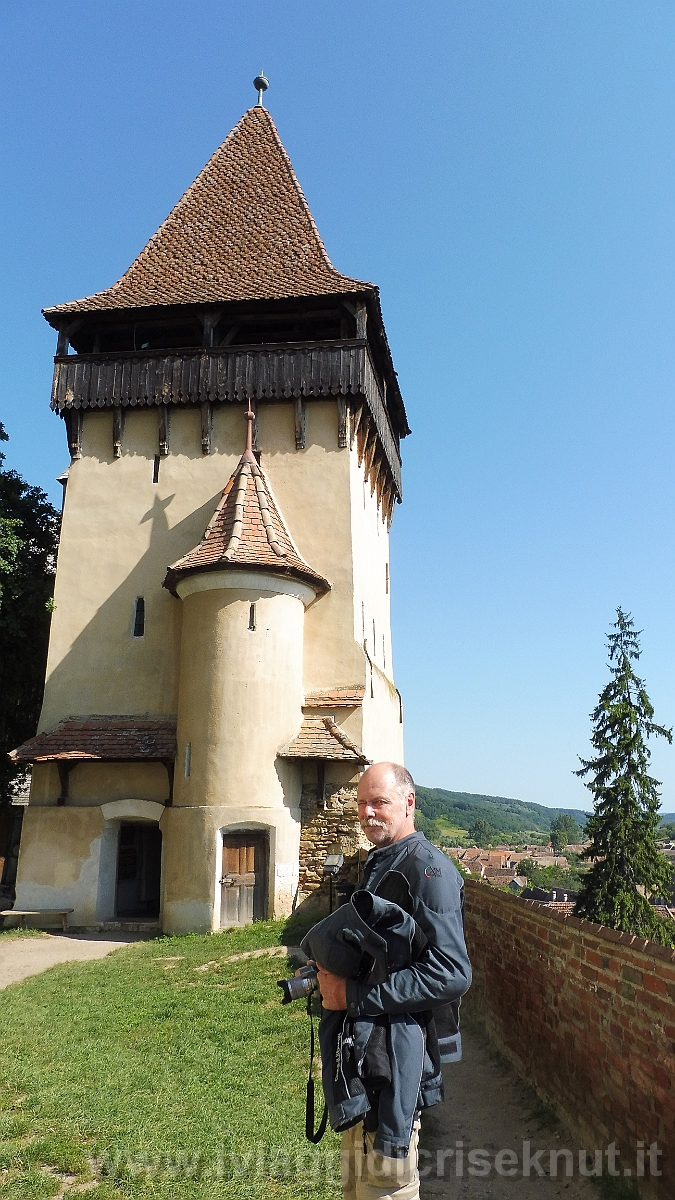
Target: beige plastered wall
pixel 193 860
pixel 120 532
pixel 382 717
pixel 59 860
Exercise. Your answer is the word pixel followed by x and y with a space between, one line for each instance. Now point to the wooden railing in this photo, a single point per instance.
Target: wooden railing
pixel 273 372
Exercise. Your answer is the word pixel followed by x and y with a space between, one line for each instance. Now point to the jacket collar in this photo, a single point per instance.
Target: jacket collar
pixel 380 854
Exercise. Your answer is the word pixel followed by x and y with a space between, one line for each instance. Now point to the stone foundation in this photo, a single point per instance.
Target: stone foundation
pixel 329 828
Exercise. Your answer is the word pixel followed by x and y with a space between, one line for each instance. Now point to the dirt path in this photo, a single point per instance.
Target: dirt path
pixel 21 957
pixel 488 1108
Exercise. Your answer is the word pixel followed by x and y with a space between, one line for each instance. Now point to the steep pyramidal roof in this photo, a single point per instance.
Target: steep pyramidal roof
pixel 246 532
pixel 242 231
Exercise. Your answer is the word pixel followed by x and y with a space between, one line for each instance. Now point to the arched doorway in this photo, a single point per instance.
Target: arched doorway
pixel 244 877
pixel 139 863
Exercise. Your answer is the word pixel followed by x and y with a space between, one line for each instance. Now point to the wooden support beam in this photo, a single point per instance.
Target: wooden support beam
pixel 343 412
pixel 300 424
pixel 163 410
pixel 361 319
pixel 377 475
pixel 207 426
pixel 74 431
pixel 254 407
pixel 356 421
pixel 363 435
pixel 64 768
pixel 370 449
pixel 210 320
pixel 62 342
pixel 118 429
pixel 170 766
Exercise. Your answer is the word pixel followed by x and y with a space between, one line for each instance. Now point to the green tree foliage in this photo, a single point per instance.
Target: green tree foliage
pixel 29 528
pixel 548 877
pixel 425 825
pixel 481 832
pixel 564 831
pixel 623 827
pixel 666 832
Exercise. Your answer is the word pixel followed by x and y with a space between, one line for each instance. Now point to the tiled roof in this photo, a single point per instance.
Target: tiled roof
pixel 320 737
pixel 246 532
pixel 127 739
pixel 339 697
pixel 242 231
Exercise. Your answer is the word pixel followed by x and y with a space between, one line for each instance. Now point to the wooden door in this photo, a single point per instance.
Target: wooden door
pixel 243 890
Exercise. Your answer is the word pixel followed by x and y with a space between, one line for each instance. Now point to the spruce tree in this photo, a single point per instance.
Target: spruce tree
pixel 625 820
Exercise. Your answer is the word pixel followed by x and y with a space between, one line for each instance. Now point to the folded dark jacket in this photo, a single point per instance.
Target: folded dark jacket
pixel 373 1066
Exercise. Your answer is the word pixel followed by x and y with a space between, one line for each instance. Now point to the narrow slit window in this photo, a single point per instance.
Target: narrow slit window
pixel 251 617
pixel 386 578
pixel 363 620
pixel 155 469
pixel 374 642
pixel 188 760
pixel 139 617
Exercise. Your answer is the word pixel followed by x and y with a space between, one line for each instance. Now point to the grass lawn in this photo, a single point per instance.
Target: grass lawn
pixel 160 1071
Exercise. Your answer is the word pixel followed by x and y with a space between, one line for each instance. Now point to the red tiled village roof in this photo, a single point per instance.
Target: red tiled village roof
pixel 241 231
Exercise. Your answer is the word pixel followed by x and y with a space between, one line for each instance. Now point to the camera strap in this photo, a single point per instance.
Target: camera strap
pixel 310 1134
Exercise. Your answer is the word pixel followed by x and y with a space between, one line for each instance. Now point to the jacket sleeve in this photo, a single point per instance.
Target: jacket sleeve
pixel 443 973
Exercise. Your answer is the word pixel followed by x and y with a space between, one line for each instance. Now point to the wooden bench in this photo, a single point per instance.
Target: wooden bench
pixel 22 913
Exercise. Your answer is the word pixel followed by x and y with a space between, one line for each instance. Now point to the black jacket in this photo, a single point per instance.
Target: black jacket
pixel 434 896
pixel 381 1060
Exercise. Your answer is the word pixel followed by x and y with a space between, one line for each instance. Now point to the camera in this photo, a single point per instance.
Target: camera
pixel 300 986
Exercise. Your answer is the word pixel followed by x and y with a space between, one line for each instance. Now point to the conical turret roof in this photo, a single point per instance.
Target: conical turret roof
pixel 242 231
pixel 246 532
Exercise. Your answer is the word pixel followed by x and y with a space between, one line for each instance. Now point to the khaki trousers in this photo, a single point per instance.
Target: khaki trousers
pixel 373 1176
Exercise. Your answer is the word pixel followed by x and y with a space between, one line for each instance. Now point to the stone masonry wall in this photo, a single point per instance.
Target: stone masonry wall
pixel 588 1016
pixel 328 830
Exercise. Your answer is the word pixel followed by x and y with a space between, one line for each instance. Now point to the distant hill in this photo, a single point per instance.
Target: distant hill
pixel 509 816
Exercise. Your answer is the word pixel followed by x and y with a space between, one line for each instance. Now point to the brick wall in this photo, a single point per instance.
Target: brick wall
pixel 588 1016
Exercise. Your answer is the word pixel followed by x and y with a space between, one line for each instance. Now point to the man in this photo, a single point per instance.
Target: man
pixel 386 805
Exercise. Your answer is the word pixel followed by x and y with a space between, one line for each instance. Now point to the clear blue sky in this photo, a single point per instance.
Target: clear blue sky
pixel 504 172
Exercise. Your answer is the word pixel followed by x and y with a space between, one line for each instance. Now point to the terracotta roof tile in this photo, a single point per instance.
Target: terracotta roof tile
pixel 242 231
pixel 320 737
pixel 246 531
pixel 339 697
pixel 129 739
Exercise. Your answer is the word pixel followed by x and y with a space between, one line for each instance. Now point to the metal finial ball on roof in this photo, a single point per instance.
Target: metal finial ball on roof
pixel 261 85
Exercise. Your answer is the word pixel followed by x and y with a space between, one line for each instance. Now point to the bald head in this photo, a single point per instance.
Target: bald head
pixel 386 800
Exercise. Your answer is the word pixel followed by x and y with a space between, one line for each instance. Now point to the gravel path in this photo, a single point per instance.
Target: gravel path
pixel 21 957
pixel 487 1107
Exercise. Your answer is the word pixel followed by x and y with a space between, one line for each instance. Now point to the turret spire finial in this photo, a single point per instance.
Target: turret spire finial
pixel 261 84
pixel 250 418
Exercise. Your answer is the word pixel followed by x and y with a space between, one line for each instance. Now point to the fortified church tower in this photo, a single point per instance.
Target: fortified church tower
pixel 220 664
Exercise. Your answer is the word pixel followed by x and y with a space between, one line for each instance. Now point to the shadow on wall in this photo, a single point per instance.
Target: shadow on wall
pixel 109 670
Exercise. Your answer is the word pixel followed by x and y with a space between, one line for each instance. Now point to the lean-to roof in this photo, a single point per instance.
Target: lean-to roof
pixel 125 738
pixel 322 738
